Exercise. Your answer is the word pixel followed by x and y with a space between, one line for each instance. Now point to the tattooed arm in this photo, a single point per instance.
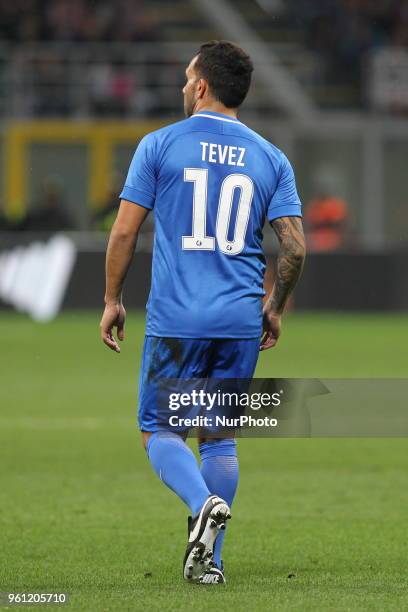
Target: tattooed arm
pixel 289 267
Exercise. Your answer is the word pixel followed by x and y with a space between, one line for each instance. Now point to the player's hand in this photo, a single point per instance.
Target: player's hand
pixel 114 316
pixel 271 329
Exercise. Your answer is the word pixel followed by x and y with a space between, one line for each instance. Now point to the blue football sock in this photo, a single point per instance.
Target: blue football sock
pixel 175 464
pixel 219 468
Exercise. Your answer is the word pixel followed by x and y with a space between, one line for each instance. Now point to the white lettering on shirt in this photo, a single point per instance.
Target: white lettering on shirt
pixel 222 154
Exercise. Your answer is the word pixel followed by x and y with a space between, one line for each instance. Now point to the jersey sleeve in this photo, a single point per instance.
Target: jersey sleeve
pixel 140 184
pixel 285 201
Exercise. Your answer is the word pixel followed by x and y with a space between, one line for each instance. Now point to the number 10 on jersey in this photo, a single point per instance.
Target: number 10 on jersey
pixel 199 239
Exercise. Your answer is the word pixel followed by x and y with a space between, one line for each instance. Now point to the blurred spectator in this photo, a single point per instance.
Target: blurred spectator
pixel 51 84
pixel 343 32
pixel 49 214
pixel 77 20
pixel 53 77
pixel 100 82
pixel 340 34
pixel 388 89
pixel 122 88
pixel 65 20
pixel 112 89
pixel 326 219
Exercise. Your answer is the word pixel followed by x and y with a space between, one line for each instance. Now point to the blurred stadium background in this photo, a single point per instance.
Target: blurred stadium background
pixel 80 83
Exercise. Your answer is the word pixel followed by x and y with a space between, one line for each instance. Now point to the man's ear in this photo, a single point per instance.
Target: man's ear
pixel 202 88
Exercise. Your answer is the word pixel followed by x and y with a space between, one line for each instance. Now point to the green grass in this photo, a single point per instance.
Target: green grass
pixel 81 510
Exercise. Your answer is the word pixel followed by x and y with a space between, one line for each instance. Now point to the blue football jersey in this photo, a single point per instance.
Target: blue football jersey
pixel 211 181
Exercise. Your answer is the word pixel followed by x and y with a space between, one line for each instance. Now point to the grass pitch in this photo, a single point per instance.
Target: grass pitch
pixel 318 524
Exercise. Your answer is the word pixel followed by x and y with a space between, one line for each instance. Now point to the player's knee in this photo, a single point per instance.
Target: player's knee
pixel 147 435
pixel 226 447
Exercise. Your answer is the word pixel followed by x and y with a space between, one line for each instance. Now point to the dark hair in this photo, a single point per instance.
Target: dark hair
pixel 227 70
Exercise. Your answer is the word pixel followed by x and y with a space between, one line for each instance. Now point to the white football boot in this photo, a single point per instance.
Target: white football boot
pixel 202 532
pixel 214 575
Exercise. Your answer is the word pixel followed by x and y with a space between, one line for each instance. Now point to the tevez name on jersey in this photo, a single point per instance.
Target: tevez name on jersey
pixel 212 182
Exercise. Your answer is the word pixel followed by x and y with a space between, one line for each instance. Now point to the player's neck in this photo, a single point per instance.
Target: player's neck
pixel 215 107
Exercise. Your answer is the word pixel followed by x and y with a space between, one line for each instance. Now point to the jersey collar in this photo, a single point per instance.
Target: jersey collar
pixel 216 116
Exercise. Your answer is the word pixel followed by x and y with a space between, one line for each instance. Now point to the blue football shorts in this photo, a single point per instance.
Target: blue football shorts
pixel 189 358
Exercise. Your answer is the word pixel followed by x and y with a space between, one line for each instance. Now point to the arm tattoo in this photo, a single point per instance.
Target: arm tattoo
pixel 290 260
